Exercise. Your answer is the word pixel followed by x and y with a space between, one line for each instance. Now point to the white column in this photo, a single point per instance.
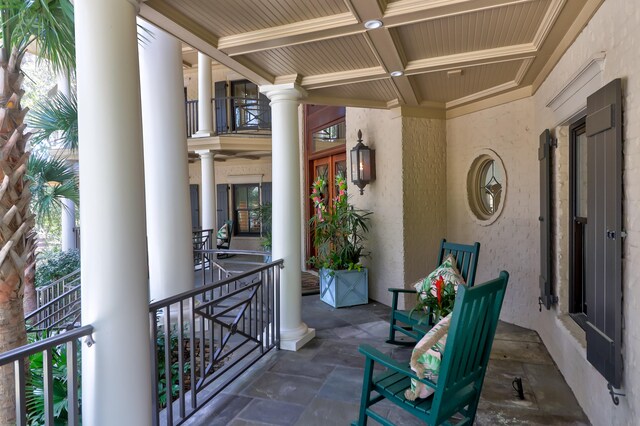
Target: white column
pixel 116 369
pixel 68 213
pixel 205 111
pixel 287 211
pixel 209 208
pixel 166 169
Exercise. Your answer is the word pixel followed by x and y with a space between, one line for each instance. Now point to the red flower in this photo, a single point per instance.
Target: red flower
pixel 439 286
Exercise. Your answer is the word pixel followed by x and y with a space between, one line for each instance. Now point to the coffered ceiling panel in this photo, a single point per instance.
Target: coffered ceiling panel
pixel 375 90
pixel 443 86
pixel 323 45
pixel 320 57
pixel 497 27
pixel 239 16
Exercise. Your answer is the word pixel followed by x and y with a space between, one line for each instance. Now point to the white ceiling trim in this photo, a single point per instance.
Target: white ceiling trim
pixel 478 57
pixel 547 22
pixel 288 35
pixel 343 77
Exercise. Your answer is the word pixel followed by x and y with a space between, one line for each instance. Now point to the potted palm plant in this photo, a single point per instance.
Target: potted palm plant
pixel 338 235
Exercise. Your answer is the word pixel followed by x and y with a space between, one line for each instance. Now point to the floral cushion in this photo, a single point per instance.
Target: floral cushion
pixel 446 272
pixel 223 234
pixel 426 359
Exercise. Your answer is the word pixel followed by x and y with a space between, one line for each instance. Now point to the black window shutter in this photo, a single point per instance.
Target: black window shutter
pixel 195 205
pixel 544 157
pixel 603 265
pixel 266 192
pixel 222 204
pixel 220 95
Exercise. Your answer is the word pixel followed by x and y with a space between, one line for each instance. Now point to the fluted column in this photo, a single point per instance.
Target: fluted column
pixel 287 210
pixel 166 166
pixel 116 369
pixel 208 188
pixel 205 110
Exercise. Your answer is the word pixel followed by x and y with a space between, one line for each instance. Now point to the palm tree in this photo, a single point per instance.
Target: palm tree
pixel 47 24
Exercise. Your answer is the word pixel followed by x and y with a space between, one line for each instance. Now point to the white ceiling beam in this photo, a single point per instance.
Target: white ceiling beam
pixel 343 77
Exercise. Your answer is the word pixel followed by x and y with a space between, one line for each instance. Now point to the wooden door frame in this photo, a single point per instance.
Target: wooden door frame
pixel 321 117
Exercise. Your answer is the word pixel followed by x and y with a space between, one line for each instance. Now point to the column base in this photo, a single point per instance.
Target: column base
pixel 203 134
pixel 296 343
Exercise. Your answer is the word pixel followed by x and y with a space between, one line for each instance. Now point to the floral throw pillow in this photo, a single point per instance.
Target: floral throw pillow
pixel 437 291
pixel 223 234
pixel 426 359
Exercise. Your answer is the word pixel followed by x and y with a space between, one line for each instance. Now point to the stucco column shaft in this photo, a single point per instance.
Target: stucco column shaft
pixel 205 111
pixel 166 169
pixel 116 370
pixel 287 211
pixel 68 213
pixel 209 208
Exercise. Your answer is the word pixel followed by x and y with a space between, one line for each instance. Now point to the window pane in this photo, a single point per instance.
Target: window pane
pixel 581 175
pixel 241 197
pixel 254 197
pixel 329 137
pixel 243 221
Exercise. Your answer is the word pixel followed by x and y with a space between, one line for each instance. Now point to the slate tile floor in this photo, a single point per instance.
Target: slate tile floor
pixel 320 384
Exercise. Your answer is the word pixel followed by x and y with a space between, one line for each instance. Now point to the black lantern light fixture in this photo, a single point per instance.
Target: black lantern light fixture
pixel 363 164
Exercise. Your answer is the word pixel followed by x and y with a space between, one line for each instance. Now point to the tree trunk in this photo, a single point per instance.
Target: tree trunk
pixel 30 298
pixel 15 223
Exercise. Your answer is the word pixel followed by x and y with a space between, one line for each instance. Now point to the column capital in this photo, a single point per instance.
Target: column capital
pixel 205 153
pixel 283 92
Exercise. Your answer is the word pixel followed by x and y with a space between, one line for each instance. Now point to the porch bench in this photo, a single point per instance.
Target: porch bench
pixel 416 324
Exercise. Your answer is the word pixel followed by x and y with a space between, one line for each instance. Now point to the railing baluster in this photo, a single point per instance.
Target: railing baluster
pixel 20 383
pixel 167 363
pixel 192 350
pixel 153 325
pixel 181 358
pixel 48 385
pixel 72 383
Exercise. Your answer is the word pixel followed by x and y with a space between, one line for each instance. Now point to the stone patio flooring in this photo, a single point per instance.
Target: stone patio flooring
pixel 321 383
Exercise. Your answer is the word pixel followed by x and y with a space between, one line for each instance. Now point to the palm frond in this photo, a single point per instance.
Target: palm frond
pixel 56 114
pixel 48 23
pixel 50 180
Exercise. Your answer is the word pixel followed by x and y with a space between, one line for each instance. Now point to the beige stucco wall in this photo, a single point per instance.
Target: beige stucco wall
pixel 424 196
pixel 512 242
pixel 382 131
pixel 407 198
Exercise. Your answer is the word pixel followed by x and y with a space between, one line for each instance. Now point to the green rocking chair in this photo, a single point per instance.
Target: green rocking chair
pixel 464 363
pixel 416 324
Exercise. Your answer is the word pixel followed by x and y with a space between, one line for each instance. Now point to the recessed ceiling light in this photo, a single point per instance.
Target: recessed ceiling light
pixel 396 73
pixel 372 24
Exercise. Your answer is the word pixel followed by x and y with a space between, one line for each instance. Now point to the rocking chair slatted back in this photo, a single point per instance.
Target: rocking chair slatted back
pixel 466 258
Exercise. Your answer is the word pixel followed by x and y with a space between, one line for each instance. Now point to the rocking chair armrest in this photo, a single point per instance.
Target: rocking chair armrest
pixel 401 290
pixel 392 364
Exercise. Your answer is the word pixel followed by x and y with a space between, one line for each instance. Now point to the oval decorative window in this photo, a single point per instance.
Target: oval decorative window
pixel 486 185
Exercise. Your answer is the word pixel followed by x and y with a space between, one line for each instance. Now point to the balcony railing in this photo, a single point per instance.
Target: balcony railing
pixel 233 115
pixel 56 374
pixel 58 306
pixel 208 337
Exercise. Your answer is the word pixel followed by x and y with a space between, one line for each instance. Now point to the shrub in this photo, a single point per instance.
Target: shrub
pixel 55 265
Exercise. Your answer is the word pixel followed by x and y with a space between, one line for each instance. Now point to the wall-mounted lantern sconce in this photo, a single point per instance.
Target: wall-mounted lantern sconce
pixel 363 164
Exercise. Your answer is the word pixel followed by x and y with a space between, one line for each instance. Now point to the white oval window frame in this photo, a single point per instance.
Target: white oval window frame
pixel 473 169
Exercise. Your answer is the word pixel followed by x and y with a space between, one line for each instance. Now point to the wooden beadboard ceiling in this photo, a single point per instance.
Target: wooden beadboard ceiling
pixel 452 52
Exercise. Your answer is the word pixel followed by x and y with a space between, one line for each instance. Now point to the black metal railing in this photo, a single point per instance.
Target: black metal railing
pixel 203 239
pixel 191 108
pixel 27 392
pixel 233 115
pixel 58 306
pixel 205 338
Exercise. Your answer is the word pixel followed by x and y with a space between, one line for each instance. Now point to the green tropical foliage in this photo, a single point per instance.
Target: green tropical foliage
pixel 56 120
pixel 338 229
pixel 50 180
pixel 35 387
pixel 55 265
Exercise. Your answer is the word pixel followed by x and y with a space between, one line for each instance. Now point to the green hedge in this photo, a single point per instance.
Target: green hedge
pixel 54 265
